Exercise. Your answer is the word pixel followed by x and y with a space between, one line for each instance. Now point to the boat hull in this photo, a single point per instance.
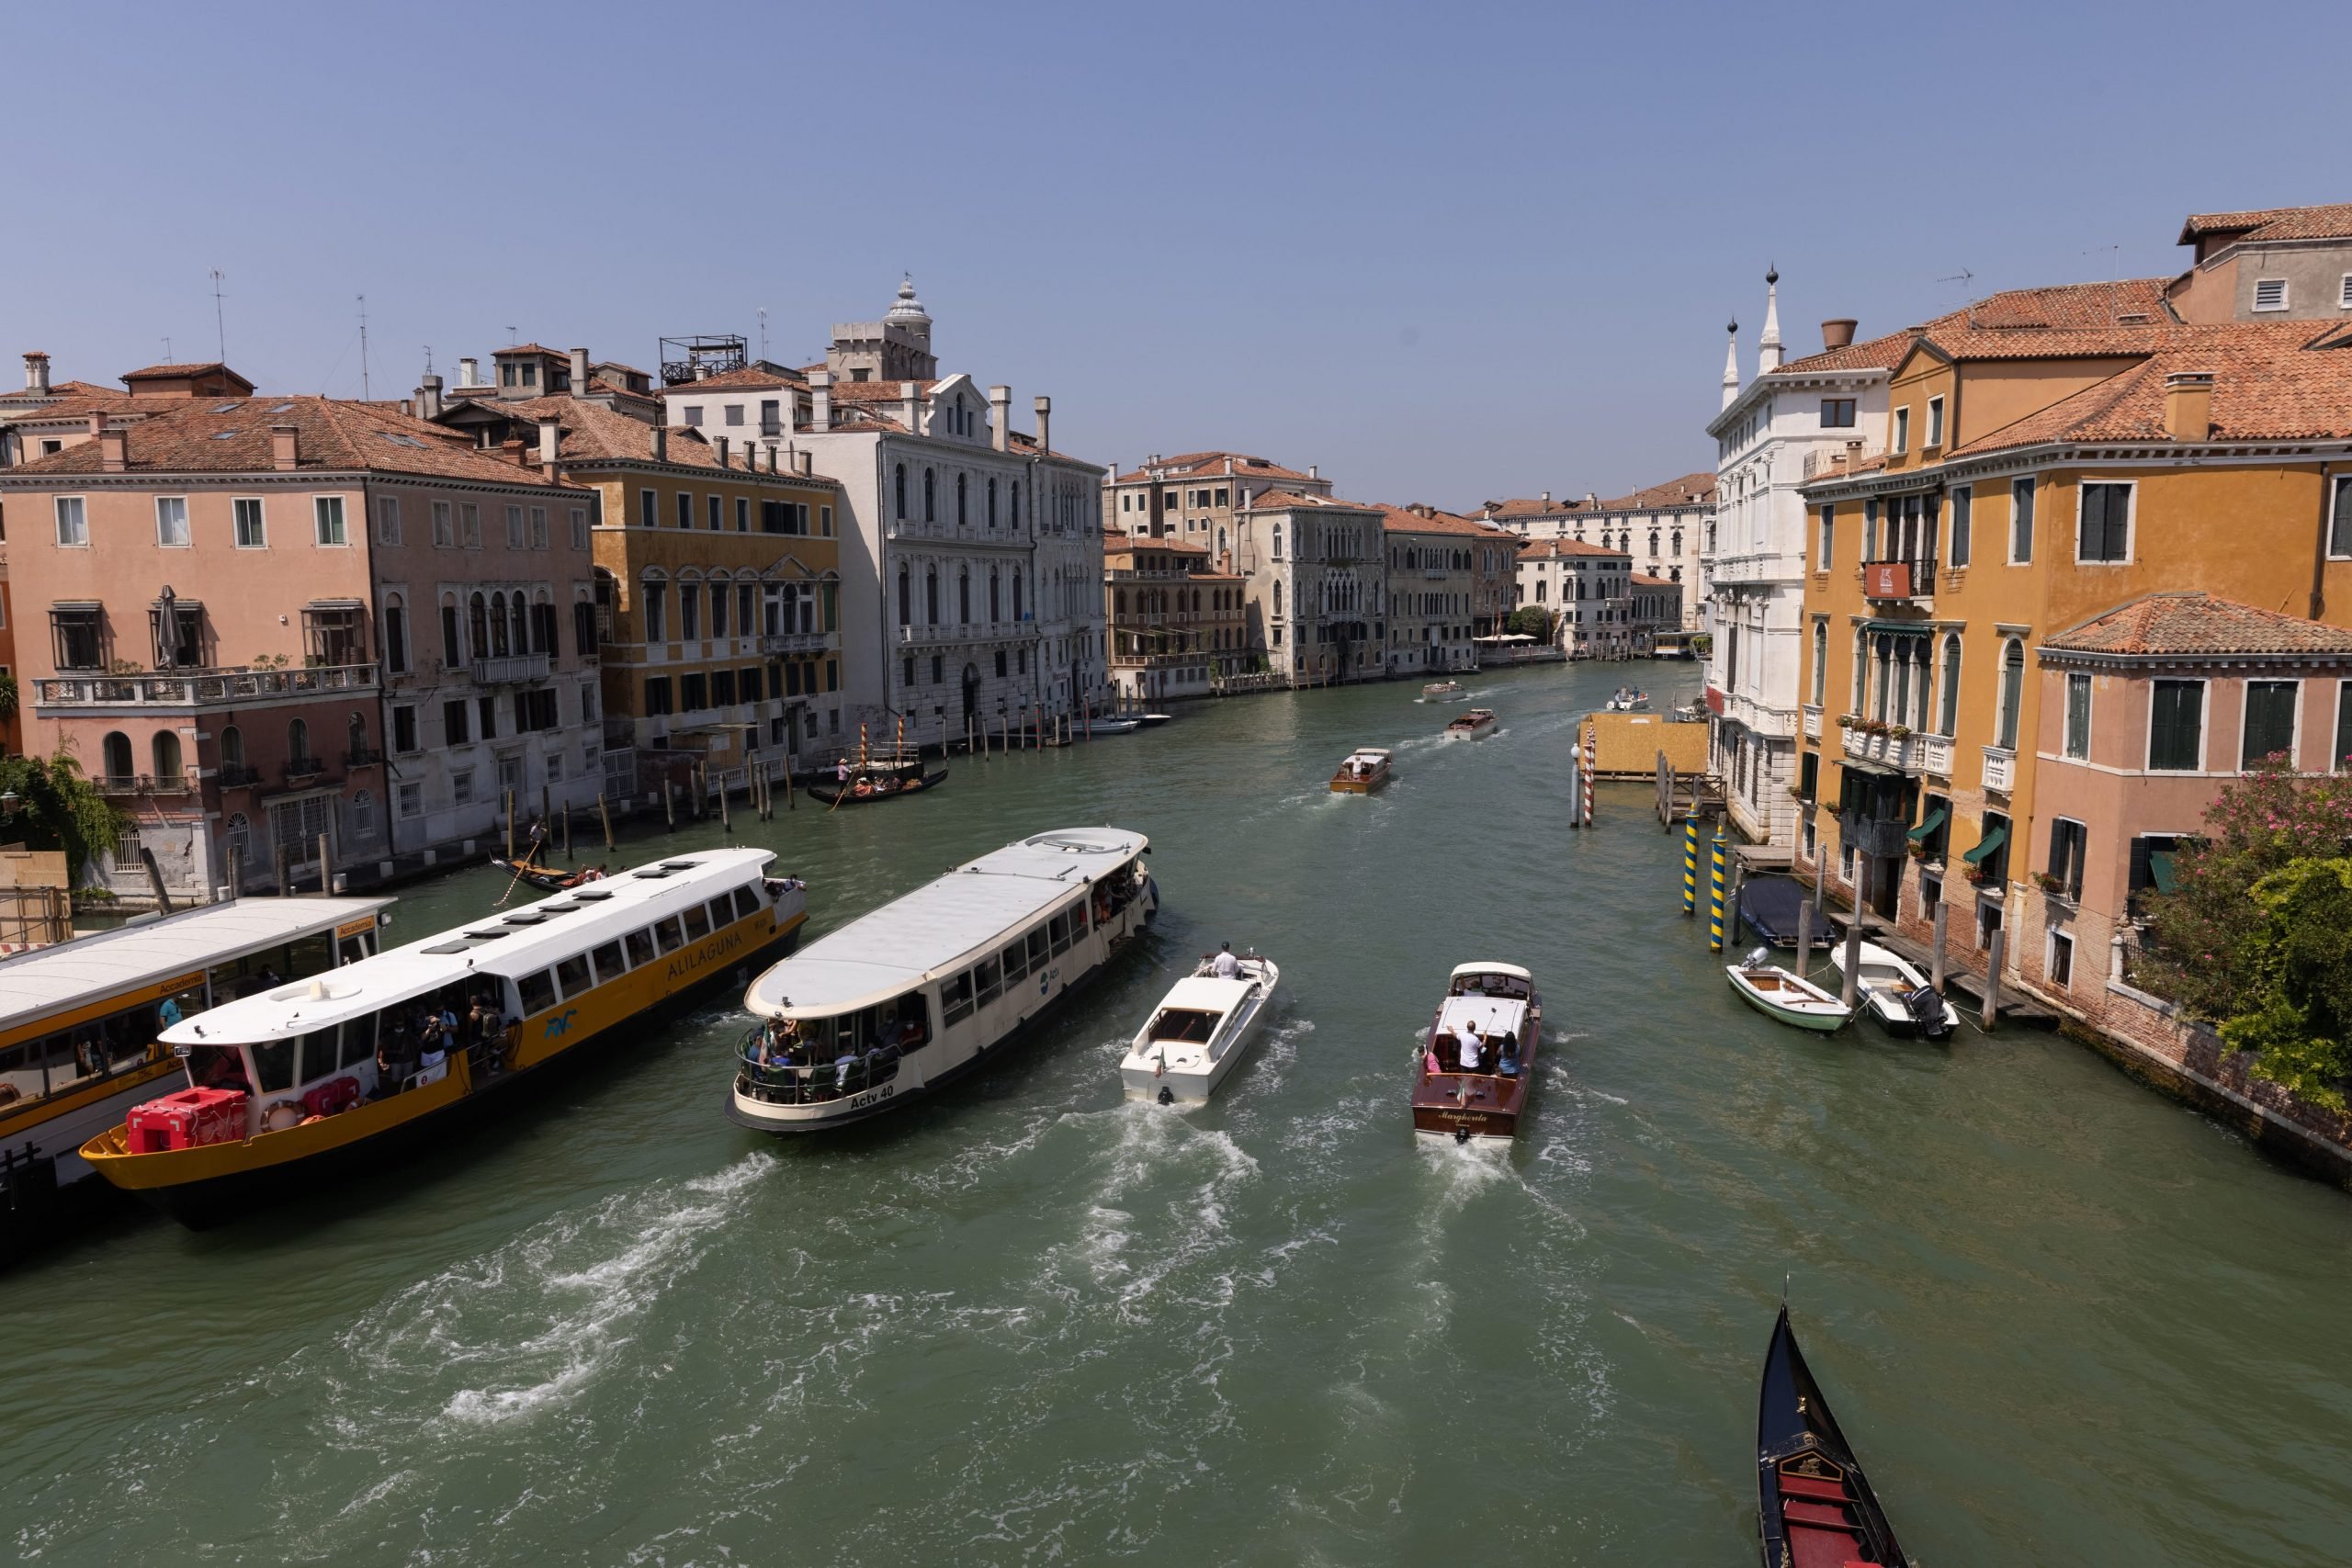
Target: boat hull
pixel 833 795
pixel 1814 1505
pixel 1819 1021
pixel 1493 1106
pixel 1190 1086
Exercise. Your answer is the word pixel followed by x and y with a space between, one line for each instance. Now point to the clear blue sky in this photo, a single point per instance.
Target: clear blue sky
pixel 1446 252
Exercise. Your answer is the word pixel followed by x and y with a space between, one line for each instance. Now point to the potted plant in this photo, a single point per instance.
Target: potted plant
pixel 1900 731
pixel 1979 875
pixel 2049 883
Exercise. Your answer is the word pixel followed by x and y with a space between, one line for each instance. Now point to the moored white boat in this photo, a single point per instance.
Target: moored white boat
pixel 1106 727
pixel 918 993
pixel 1779 993
pixel 1197 1034
pixel 1896 994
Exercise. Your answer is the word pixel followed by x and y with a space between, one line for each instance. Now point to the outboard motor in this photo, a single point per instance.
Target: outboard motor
pixel 1927 1011
pixel 1759 959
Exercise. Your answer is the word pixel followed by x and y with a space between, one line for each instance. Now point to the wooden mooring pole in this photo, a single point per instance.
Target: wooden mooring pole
pixel 1850 987
pixel 1936 948
pixel 1804 938
pixel 1992 1012
pixel 605 814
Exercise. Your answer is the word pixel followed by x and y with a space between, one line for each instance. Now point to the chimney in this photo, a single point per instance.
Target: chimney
pixel 37 373
pixel 910 406
pixel 2188 405
pixel 1314 472
pixel 98 423
pixel 114 450
pixel 514 449
pixel 469 372
pixel 660 443
pixel 807 464
pixel 772 449
pixel 820 400
pixel 428 398
pixel 1045 407
pixel 722 451
pixel 550 447
pixel 285 448
pixel 1838 333
pixel 579 372
pixel 1000 418
pixel 1547 501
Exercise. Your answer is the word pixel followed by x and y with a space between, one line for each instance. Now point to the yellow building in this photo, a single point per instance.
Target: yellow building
pixel 2037 474
pixel 717 590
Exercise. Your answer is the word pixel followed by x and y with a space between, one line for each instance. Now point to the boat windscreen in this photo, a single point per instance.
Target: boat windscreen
pixel 1184 1025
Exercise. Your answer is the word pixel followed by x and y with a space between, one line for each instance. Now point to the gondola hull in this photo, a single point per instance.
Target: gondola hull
pixel 1814 1507
pixel 536 876
pixel 831 794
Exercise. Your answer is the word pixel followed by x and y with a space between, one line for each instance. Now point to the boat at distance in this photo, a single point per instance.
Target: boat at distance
pixel 1440 690
pixel 1473 724
pixel 878 778
pixel 309 1080
pixel 1782 993
pixel 1153 721
pixel 1196 1036
pixel 1626 700
pixel 1895 992
pixel 909 999
pixel 1364 770
pixel 1106 727
pixel 1472 1078
pixel 1813 1506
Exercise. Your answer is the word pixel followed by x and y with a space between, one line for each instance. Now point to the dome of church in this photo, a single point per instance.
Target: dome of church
pixel 909 309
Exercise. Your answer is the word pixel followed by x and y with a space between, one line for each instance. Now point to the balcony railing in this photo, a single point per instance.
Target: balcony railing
pixel 362 757
pixel 966 631
pixel 2000 768
pixel 1935 754
pixel 509 668
pixel 301 770
pixel 143 783
pixel 236 776
pixel 1899 580
pixel 795 642
pixel 198 688
pixel 1906 752
pixel 1812 721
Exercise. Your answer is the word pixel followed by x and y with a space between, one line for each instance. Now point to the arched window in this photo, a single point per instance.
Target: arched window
pixel 964 595
pixel 232 747
pixel 906 598
pixel 477 623
pixel 1013 517
pixel 497 642
pixel 1861 668
pixel 1820 660
pixel 2012 691
pixel 519 625
pixel 1539 590
pixel 1278 601
pixel 1119 601
pixel 1278 541
pixel 240 838
pixel 1881 654
pixel 1949 719
pixel 899 481
pixel 396 634
pixel 931 593
pixel 962 488
pixel 298 741
pixel 452 653
pixel 996 609
pixel 356 734
pixel 992 502
pixel 167 757
pixel 117 750
pixel 931 495
pixel 1016 594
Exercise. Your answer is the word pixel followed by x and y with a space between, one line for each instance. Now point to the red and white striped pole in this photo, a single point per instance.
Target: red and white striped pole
pixel 1584 774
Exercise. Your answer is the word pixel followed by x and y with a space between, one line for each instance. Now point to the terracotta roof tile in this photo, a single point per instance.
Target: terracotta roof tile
pixel 1644 580
pixel 1211 465
pixel 745 380
pixel 167 371
pixel 1405 520
pixel 1127 544
pixel 1690 489
pixel 1291 501
pixel 2193 624
pixel 2333 221
pixel 1558 547
pixel 592 433
pixel 871 391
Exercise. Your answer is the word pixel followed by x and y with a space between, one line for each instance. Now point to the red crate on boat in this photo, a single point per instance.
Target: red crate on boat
pixel 188 1119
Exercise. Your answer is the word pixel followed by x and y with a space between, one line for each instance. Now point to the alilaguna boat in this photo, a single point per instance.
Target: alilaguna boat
pixel 1495 1011
pixel 1782 994
pixel 1476 724
pixel 1814 1505
pixel 1364 770
pixel 911 997
pixel 308 1080
pixel 1196 1036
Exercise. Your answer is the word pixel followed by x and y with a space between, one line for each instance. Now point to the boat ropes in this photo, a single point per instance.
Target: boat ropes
pixel 909 998
pixel 302 1080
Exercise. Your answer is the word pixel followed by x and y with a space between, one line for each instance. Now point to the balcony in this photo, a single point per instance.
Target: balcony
pixel 1905 753
pixel 198 688
pixel 362 757
pixel 300 771
pixel 1935 753
pixel 236 776
pixel 795 642
pixel 1812 721
pixel 967 631
pixel 510 669
pixel 2000 768
pixel 1899 581
pixel 143 783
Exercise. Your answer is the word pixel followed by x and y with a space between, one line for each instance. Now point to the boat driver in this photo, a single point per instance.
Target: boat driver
pixel 1226 966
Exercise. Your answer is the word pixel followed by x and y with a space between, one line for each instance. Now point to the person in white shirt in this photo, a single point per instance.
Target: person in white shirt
pixel 1226 966
pixel 1472 1048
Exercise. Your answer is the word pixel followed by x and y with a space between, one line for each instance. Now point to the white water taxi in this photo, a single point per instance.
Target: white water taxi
pixel 1896 994
pixel 1626 700
pixel 1198 1033
pixel 1784 995
pixel 306 1081
pixel 1473 724
pixel 911 997
pixel 79 1021
pixel 1441 691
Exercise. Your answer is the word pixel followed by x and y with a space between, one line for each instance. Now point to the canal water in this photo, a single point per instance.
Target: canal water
pixel 2065 1320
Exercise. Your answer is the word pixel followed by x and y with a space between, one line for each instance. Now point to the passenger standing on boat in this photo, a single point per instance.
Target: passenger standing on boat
pixel 1472 1048
pixel 1227 967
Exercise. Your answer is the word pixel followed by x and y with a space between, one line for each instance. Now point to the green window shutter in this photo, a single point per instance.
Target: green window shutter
pixel 2339 532
pixel 2176 726
pixel 2269 720
pixel 2344 726
pixel 2078 716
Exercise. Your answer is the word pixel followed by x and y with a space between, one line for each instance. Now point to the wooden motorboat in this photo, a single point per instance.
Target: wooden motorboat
pixel 878 779
pixel 1815 1507
pixel 1365 769
pixel 1627 700
pixel 1438 690
pixel 1106 727
pixel 1894 992
pixel 1476 724
pixel 1784 995
pixel 1196 1036
pixel 1472 1078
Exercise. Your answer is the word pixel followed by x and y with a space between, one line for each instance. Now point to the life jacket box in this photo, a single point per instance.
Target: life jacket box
pixel 332 1098
pixel 188 1119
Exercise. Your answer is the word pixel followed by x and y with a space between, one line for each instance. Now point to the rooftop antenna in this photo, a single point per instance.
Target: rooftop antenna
pixel 363 348
pixel 167 352
pixel 2114 272
pixel 428 360
pixel 220 321
pixel 763 331
pixel 512 337
pixel 1962 277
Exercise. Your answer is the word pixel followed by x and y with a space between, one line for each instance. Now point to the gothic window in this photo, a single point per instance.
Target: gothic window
pixel 931 495
pixel 899 478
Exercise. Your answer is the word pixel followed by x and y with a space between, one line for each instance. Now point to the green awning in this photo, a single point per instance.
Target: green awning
pixel 2160 868
pixel 1986 845
pixel 1898 629
pixel 1935 819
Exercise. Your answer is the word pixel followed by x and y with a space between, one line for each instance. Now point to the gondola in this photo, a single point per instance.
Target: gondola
pixel 879 782
pixel 540 876
pixel 1814 1505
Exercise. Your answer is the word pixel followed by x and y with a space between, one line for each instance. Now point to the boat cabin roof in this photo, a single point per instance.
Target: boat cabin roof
pixel 943 925
pixel 49 979
pixel 1207 993
pixel 1369 754
pixel 526 938
pixel 1513 970
pixel 1493 1015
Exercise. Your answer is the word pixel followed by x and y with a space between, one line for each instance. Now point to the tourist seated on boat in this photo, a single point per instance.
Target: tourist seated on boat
pixel 844 1067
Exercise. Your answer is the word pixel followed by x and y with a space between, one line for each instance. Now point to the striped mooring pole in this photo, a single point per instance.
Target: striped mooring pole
pixel 1584 774
pixel 1715 895
pixel 1690 863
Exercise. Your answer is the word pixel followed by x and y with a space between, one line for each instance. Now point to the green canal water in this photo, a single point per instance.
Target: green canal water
pixel 2065 1320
